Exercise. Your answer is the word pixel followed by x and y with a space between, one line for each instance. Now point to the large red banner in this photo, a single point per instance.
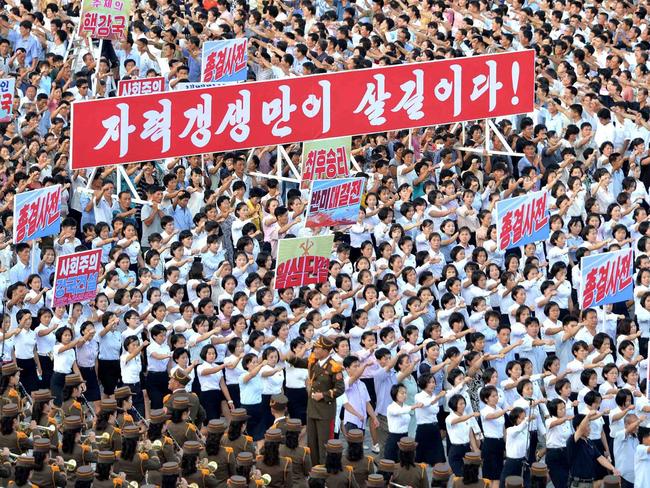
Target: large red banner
pixel 225 118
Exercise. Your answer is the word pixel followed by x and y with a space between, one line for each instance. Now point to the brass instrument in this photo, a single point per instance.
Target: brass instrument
pixel 24 426
pixel 70 466
pixel 105 437
pixel 192 485
pixel 157 445
pixel 209 465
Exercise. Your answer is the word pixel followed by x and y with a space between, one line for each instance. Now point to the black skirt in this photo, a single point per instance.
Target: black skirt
pixel 109 374
pixel 234 394
pixel 28 375
pixel 456 454
pixel 297 403
pixel 514 467
pixel 254 425
pixel 492 454
pixel 92 393
pixel 391 451
pixel 157 382
pixel 47 366
pixel 558 465
pixel 429 449
pixel 211 401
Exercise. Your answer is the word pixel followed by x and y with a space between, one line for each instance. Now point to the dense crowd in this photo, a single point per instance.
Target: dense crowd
pixel 429 351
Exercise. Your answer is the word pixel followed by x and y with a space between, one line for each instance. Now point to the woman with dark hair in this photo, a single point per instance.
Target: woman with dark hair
pixel 105 422
pixel 300 458
pixel 104 470
pixel 42 408
pixel 16 442
pixel 398 418
pixel 132 462
pixel 361 465
pixel 87 362
pixel 270 463
pixel 170 472
pixel 460 433
pixel 64 361
pixel 72 401
pixel 131 369
pixel 180 428
pixel 493 422
pixel 22 472
pixel 295 389
pixel 190 469
pixel 158 356
pixel 427 434
pixel 408 473
pixel 223 456
pixel 43 475
pixel 558 431
pixel 245 464
pixel 336 475
pixel 235 439
pixel 71 445
pixel 25 350
pixel 250 390
pixel 212 382
pixel 9 391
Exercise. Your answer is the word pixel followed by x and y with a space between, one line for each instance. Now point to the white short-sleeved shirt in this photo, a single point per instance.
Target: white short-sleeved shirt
pixel 271 385
pixel 209 382
pixel 63 361
pixel 398 418
pixel 131 369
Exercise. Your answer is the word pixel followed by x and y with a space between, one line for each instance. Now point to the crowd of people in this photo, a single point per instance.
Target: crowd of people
pixel 427 354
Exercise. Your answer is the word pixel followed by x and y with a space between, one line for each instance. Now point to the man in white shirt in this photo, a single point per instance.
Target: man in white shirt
pixel 21 270
pixel 642 460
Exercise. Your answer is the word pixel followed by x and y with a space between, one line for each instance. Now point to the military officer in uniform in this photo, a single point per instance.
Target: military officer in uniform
pixel 71 445
pixel 10 381
pixel 362 465
pixel 300 458
pixel 17 442
pixel 375 481
pixel 105 423
pixel 179 427
pixel 407 472
pixel 271 463
pixel 339 476
pixel 83 473
pixel 177 383
pixel 24 466
pixel 278 405
pixel 324 385
pixel 472 462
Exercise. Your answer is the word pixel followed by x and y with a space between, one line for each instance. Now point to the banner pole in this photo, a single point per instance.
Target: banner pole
pixel 99 56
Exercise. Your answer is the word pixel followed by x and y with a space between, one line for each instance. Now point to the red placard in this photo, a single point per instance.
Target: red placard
pixel 225 118
pixel 76 277
pixel 141 86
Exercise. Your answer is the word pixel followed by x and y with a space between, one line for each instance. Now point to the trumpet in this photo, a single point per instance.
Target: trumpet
pixel 209 465
pixel 70 465
pixel 157 445
pixel 192 485
pixel 105 437
pixel 23 426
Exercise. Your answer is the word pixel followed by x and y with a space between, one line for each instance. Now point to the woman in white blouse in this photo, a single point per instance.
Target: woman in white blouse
pixel 26 357
pixel 234 368
pixel 558 431
pixel 213 384
pixel 398 417
pixel 493 423
pixel 130 368
pixel 158 356
pixel 64 361
pixel 429 449
pixel 461 436
pixel 272 378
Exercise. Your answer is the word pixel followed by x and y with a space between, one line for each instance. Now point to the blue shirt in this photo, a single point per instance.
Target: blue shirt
pixel 182 218
pixel 30 45
pixel 250 393
pixel 384 380
pixel 193 65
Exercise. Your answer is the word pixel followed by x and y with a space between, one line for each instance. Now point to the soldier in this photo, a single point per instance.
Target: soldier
pixel 104 477
pixel 362 465
pixel 133 462
pixel 85 476
pixel 42 415
pixel 235 437
pixel 514 482
pixel 222 455
pixel 177 383
pixel 440 475
pixel 324 385
pixel 71 445
pixel 71 397
pixel 300 458
pixel 408 473
pixel 124 399
pixel 278 406
pixel 245 464
pixel 9 392
pixel 44 474
pixel 22 472
pixel 338 476
pixel 471 465
pixel 191 471
pixel 171 473
pixel 17 442
pixel 167 452
pixel 105 422
pixel 179 427
pixel 375 481
pixel 386 468
pixel 271 463
pixel 538 475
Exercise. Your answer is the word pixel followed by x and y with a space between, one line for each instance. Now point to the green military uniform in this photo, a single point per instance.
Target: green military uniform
pixel 25 462
pixel 243 443
pixel 16 442
pixel 106 457
pixel 202 476
pixel 225 456
pixel 44 396
pixel 415 475
pixel 281 473
pixel 364 466
pixel 177 384
pixel 300 456
pixel 48 476
pixel 342 479
pixel 135 468
pixel 325 377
